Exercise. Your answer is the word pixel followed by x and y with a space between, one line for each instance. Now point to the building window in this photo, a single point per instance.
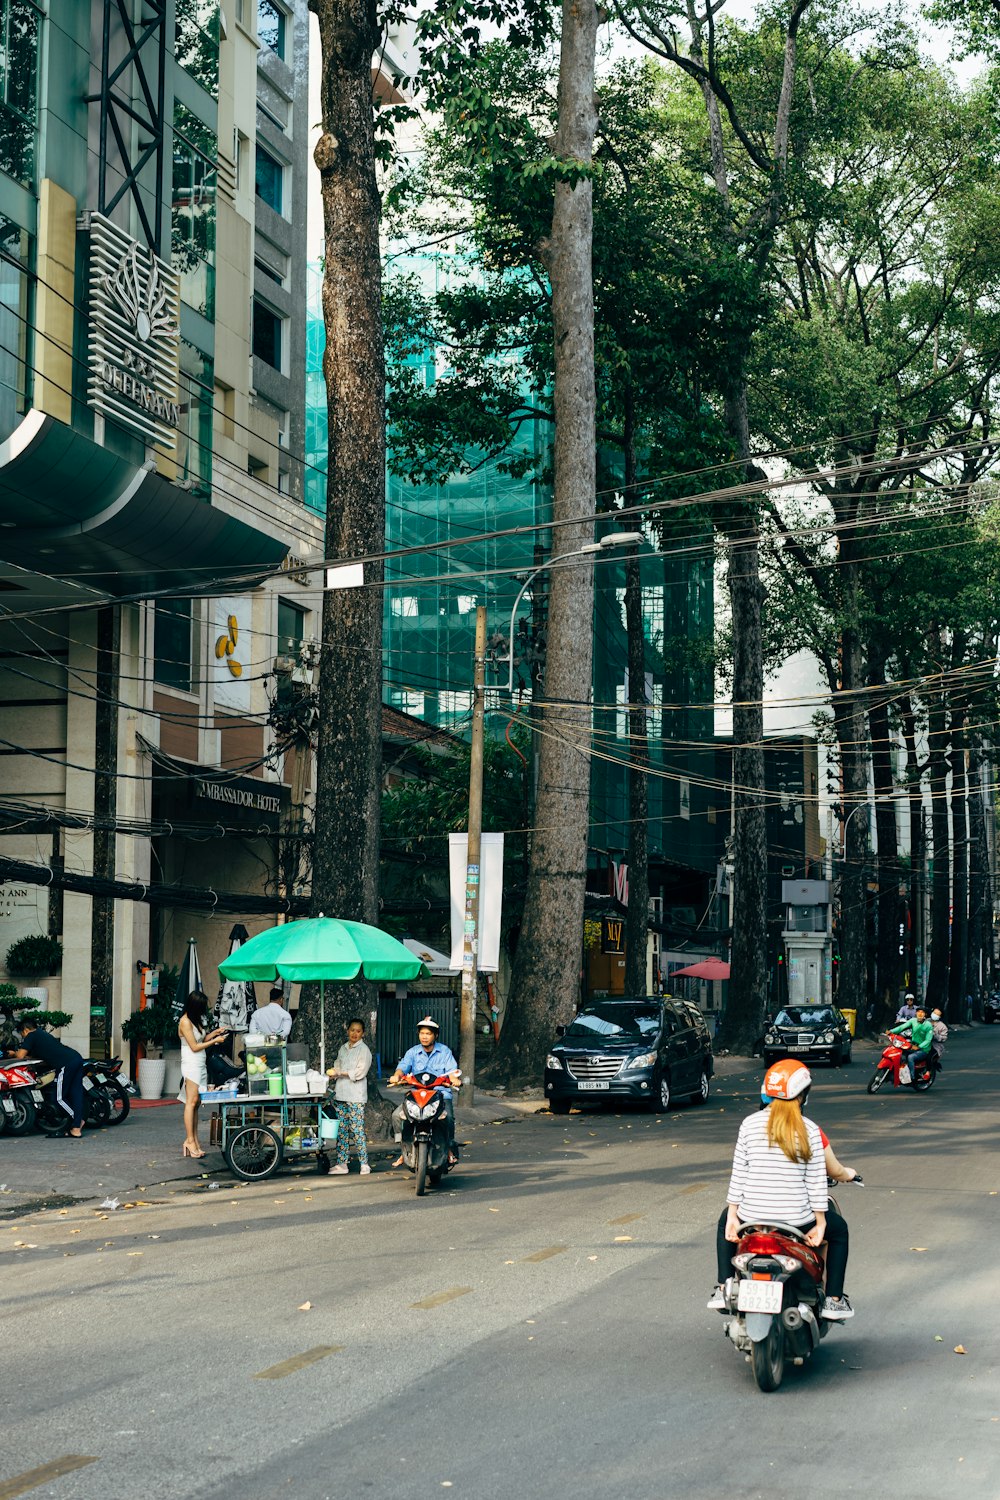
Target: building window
pixel 269 179
pixel 194 436
pixel 172 632
pixel 15 287
pixel 19 27
pixel 271 26
pixel 197 42
pixel 271 272
pixel 192 221
pixel 266 335
pixel 291 628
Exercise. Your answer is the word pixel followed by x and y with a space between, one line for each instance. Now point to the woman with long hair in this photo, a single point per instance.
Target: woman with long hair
pixel 779 1175
pixel 192 1028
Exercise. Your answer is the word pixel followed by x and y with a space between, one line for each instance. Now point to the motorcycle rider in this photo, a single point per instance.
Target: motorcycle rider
pixel 908 1009
pixel 68 1063
pixel 779 1174
pixel 940 1035
pixel 429 1056
pixel 921 1034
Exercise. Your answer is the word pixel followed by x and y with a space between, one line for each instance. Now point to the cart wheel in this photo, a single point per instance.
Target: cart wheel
pixel 322 1163
pixel 254 1152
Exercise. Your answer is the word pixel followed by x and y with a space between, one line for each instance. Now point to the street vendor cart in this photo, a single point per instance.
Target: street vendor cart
pixel 278 1117
pixel 280 1113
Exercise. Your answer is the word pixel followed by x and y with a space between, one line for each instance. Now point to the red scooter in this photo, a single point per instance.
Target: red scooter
pixel 892 1062
pixel 20 1097
pixel 775 1296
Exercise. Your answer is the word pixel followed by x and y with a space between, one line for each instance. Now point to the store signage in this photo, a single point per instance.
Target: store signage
pixel 612 935
pixel 238 794
pixel 232 680
pixel 134 334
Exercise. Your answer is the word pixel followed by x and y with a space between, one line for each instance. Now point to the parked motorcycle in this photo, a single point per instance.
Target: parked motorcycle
pixel 425 1128
pixel 892 1062
pixel 104 1076
pixel 20 1097
pixel 49 1115
pixel 991 1008
pixel 774 1297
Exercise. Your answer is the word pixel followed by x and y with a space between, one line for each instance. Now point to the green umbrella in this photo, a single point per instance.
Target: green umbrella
pixel 322 948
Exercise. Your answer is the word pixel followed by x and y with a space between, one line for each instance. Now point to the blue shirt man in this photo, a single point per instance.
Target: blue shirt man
pixel 429 1056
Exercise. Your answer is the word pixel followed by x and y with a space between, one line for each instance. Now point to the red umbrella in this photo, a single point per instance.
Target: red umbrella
pixel 709 968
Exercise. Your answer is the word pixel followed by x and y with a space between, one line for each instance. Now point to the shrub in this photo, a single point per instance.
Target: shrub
pixel 30 957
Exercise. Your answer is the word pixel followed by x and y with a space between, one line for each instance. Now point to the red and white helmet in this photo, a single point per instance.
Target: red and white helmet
pixel 786 1079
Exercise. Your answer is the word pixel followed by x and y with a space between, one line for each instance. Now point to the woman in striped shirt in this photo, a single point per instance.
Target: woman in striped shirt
pixel 779 1174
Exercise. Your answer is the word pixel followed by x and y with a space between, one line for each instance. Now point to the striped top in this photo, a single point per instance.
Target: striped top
pixel 767 1186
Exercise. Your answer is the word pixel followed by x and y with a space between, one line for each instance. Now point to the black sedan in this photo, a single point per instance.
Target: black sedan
pixel 816 1033
pixel 651 1049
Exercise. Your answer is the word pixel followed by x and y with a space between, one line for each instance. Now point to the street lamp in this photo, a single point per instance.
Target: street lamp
pixel 606 544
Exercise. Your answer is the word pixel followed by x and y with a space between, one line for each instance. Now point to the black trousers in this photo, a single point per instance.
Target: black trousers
pixel 836 1250
pixel 69 1092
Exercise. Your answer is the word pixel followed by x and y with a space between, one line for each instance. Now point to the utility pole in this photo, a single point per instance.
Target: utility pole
pixel 470 946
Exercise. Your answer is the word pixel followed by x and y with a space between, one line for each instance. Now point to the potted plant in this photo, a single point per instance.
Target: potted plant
pixel 152 1029
pixel 35 957
pixel 13 1006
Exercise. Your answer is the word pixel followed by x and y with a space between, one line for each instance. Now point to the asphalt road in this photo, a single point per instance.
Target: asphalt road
pixel 538 1328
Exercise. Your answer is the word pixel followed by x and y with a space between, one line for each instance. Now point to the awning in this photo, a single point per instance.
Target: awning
pixel 71 509
pixel 435 961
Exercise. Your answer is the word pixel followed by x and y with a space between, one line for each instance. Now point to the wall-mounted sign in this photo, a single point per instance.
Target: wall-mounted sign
pixel 134 334
pixel 612 935
pixel 232 655
pixel 244 794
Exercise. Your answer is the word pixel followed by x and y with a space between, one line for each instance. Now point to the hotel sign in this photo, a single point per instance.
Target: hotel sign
pixel 134 334
pixel 242 794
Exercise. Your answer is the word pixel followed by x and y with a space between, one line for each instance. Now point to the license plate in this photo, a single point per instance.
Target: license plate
pixel 36 1094
pixel 796 1049
pixel 87 1083
pixel 8 1106
pixel 591 1084
pixel 759 1296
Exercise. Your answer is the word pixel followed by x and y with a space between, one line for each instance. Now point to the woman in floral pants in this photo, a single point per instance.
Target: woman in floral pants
pixel 350 1075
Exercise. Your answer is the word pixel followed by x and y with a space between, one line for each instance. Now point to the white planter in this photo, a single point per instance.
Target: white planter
pixel 37 992
pixel 152 1072
pixel 173 1075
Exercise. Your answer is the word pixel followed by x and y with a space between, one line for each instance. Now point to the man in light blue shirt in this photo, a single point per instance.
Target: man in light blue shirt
pixel 429 1056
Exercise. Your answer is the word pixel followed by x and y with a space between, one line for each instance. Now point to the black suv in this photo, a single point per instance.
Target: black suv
pixel 816 1033
pixel 652 1049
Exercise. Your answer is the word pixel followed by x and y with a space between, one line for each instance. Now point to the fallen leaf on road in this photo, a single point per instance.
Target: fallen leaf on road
pixel 623 1239
pixel 494 1210
pixel 510 1262
pixel 961 1349
pixel 136 1252
pixel 154 1236
pixel 589 1257
pixel 938 1339
pixel 920 1249
pixel 76 1231
pixel 63 1211
pixel 305 1307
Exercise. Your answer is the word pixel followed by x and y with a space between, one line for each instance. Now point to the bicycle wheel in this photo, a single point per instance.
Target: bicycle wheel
pixel 254 1153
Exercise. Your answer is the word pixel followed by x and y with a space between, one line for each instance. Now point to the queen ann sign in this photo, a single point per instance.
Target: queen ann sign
pixel 134 334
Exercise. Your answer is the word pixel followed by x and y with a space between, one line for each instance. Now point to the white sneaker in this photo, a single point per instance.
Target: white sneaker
pixel 717 1301
pixel 339 1171
pixel 836 1310
pixel 366 1170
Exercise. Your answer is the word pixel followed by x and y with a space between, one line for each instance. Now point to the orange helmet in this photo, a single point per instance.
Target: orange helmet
pixel 786 1079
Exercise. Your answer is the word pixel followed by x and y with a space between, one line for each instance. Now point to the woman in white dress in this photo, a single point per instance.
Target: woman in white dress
pixel 195 1041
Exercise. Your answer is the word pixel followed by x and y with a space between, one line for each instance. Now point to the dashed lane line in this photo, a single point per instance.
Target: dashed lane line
pixel 297 1362
pixel 32 1478
pixel 440 1297
pixel 545 1254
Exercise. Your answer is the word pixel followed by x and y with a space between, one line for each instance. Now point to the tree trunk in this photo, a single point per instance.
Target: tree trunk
pixel 980 923
pixel 889 959
pixel 849 721
pixel 545 984
pixel 637 915
pixel 959 958
pixel 915 798
pixel 349 754
pixel 937 731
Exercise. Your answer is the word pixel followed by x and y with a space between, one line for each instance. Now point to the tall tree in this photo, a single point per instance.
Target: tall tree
pixel 349 755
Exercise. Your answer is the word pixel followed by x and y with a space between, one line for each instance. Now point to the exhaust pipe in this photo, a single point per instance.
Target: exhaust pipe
pixel 792 1319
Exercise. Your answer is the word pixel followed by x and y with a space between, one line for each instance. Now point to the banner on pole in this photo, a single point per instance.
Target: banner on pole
pixel 489 878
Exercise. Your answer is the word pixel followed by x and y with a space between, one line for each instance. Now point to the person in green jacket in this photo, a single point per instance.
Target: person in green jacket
pixel 921 1034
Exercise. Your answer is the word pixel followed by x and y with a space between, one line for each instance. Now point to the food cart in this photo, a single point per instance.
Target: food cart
pixel 277 1117
pixel 280 1113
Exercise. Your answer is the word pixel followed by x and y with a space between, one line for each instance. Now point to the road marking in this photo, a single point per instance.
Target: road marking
pixel 696 1187
pixel 439 1297
pixel 297 1362
pixel 22 1483
pixel 545 1254
pixel 627 1219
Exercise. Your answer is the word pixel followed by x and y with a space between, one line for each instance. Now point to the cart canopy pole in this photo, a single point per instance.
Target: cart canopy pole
pixel 322 1028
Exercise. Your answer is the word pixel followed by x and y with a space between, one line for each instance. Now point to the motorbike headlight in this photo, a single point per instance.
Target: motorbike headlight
pixel 554 1062
pixel 643 1060
pixel 413 1109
